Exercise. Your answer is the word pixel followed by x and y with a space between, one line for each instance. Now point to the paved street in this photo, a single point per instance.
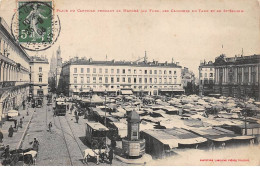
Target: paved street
pixel 14 141
pixel 64 145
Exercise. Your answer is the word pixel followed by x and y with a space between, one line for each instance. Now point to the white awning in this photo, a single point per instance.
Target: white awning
pixel 222 139
pixel 243 137
pixel 172 89
pixel 173 143
pixel 192 140
pixel 126 92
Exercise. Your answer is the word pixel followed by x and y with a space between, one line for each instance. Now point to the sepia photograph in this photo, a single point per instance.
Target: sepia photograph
pixel 129 83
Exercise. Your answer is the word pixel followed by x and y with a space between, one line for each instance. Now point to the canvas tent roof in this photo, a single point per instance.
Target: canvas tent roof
pixel 175 136
pixel 96 99
pixel 214 133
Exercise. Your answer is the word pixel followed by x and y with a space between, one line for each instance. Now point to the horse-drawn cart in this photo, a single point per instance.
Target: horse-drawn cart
pixel 19 157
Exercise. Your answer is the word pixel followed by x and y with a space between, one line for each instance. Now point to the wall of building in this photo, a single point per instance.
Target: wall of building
pixel 206 79
pixel 14 72
pixel 84 77
pixel 39 77
pixel 238 80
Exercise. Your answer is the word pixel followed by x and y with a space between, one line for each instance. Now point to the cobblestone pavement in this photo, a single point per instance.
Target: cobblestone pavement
pixel 64 145
pixel 79 133
pixel 52 150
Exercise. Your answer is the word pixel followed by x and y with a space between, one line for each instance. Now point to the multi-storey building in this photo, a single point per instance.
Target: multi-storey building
pixel 153 78
pixel 188 81
pixel 39 76
pixel 237 76
pixel 14 71
pixel 206 78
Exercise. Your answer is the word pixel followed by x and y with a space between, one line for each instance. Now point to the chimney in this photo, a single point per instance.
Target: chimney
pixel 166 63
pixel 177 63
pixel 90 60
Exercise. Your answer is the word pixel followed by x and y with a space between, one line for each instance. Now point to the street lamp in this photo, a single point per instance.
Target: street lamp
pixel 245 113
pixel 106 113
pixel 91 93
pixel 105 107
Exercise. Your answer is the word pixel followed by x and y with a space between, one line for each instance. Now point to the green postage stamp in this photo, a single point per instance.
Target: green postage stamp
pixel 34 25
pixel 35 21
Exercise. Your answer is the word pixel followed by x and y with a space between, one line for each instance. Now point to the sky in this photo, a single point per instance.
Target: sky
pixel 188 38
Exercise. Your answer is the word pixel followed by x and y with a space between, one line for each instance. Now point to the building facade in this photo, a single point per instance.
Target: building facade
pixel 153 78
pixel 237 76
pixel 39 67
pixel 206 78
pixel 188 81
pixel 14 71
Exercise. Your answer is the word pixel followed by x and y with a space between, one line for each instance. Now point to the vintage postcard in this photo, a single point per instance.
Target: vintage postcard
pixel 129 83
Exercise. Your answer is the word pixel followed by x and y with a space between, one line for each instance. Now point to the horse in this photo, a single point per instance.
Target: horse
pixel 94 153
pixel 28 156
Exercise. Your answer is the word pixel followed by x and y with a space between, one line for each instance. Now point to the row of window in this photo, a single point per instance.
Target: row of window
pixel 206 75
pixel 135 87
pixel 206 69
pixel 124 80
pixel 239 69
pixel 240 79
pixel 123 71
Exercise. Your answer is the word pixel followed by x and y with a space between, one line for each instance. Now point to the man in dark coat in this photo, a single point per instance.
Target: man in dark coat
pixel 50 126
pixel 15 123
pixel 10 131
pixel 23 105
pixel 7 152
pixel 110 155
pixel 36 144
pixel 1 136
pixel 21 122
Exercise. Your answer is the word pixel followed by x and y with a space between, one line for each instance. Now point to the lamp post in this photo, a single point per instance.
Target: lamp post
pixel 105 108
pixel 245 111
pixel 91 93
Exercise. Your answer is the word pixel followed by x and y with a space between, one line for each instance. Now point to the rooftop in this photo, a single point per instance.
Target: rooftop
pixel 237 60
pixel 85 61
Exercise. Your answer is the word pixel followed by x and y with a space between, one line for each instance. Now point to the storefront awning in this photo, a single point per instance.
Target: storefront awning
pixel 171 90
pixel 126 92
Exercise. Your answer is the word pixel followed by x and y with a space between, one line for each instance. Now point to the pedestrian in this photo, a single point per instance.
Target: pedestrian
pixel 10 131
pixel 110 155
pixel 50 126
pixel 35 144
pixel 75 112
pixel 23 105
pixel 15 123
pixel 77 118
pixel 7 152
pixel 1 136
pixel 21 122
